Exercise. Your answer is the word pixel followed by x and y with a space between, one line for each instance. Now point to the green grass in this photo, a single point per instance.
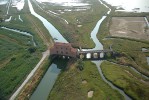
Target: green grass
pixel 18 56
pixel 131 54
pixel 127 79
pixel 129 49
pixel 27 25
pixel 69 85
pixel 16 61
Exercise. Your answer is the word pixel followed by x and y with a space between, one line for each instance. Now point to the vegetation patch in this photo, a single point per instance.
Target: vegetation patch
pixel 69 85
pixel 125 78
pixel 18 54
pixel 16 61
pixel 34 81
pixel 78 36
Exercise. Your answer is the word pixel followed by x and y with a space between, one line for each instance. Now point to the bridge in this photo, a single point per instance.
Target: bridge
pixel 94 54
pixel 66 50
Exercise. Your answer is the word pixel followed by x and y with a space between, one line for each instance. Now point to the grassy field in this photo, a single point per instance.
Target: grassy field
pixel 18 56
pixel 74 34
pixel 30 87
pixel 30 24
pixel 129 54
pixel 129 49
pixel 16 61
pixel 73 84
pixel 125 78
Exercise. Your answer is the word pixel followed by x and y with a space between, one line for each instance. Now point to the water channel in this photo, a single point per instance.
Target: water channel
pixel 49 78
pixel 130 5
pixel 46 84
pixel 21 32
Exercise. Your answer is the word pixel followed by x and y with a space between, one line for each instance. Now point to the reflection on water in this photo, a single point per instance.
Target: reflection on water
pixel 18 4
pixel 52 30
pixel 131 5
pixel 46 84
pixel 2 2
pixel 9 19
pixel 144 50
pixel 147 60
pixel 66 2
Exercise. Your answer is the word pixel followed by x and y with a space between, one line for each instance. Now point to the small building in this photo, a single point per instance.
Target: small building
pixel 63 49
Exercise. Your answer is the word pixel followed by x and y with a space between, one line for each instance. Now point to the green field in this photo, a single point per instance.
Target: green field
pixel 16 60
pixel 70 86
pixel 18 55
pixel 129 53
pixel 124 77
pixel 129 50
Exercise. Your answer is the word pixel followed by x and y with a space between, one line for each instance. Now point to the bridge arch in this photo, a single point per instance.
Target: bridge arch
pixel 88 56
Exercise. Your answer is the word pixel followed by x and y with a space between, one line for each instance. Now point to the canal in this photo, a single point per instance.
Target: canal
pixel 46 84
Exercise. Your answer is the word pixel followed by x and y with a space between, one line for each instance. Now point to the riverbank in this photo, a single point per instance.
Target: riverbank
pixel 125 78
pixel 78 36
pixel 129 54
pixel 131 48
pixel 18 57
pixel 18 54
pixel 75 84
pixel 31 85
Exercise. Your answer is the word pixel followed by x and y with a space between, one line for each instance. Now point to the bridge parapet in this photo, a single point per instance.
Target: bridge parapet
pixel 94 54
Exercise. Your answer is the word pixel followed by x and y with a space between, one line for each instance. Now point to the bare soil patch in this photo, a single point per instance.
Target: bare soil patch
pixel 90 94
pixel 84 82
pixel 131 27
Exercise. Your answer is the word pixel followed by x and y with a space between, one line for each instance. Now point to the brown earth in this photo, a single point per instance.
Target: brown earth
pixel 130 27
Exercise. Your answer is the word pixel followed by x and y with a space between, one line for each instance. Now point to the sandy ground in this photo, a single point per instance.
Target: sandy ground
pixel 45 54
pixel 131 27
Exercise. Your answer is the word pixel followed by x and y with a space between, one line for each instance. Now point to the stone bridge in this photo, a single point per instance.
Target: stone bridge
pixel 66 50
pixel 94 54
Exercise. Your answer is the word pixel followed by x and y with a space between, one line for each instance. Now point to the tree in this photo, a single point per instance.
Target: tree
pixel 32 49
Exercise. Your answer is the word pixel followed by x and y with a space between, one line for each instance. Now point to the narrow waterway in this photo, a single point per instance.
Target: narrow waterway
pixel 147 60
pixel 20 18
pixel 46 84
pixel 9 4
pixel 52 30
pixel 43 89
pixel 98 63
pixel 59 38
pixel 9 19
pixel 21 32
pixel 146 22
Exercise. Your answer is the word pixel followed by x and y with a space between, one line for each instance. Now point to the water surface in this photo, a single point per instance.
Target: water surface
pixel 46 84
pixel 131 5
pixel 52 30
pixel 3 2
pixel 66 2
pixel 147 60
